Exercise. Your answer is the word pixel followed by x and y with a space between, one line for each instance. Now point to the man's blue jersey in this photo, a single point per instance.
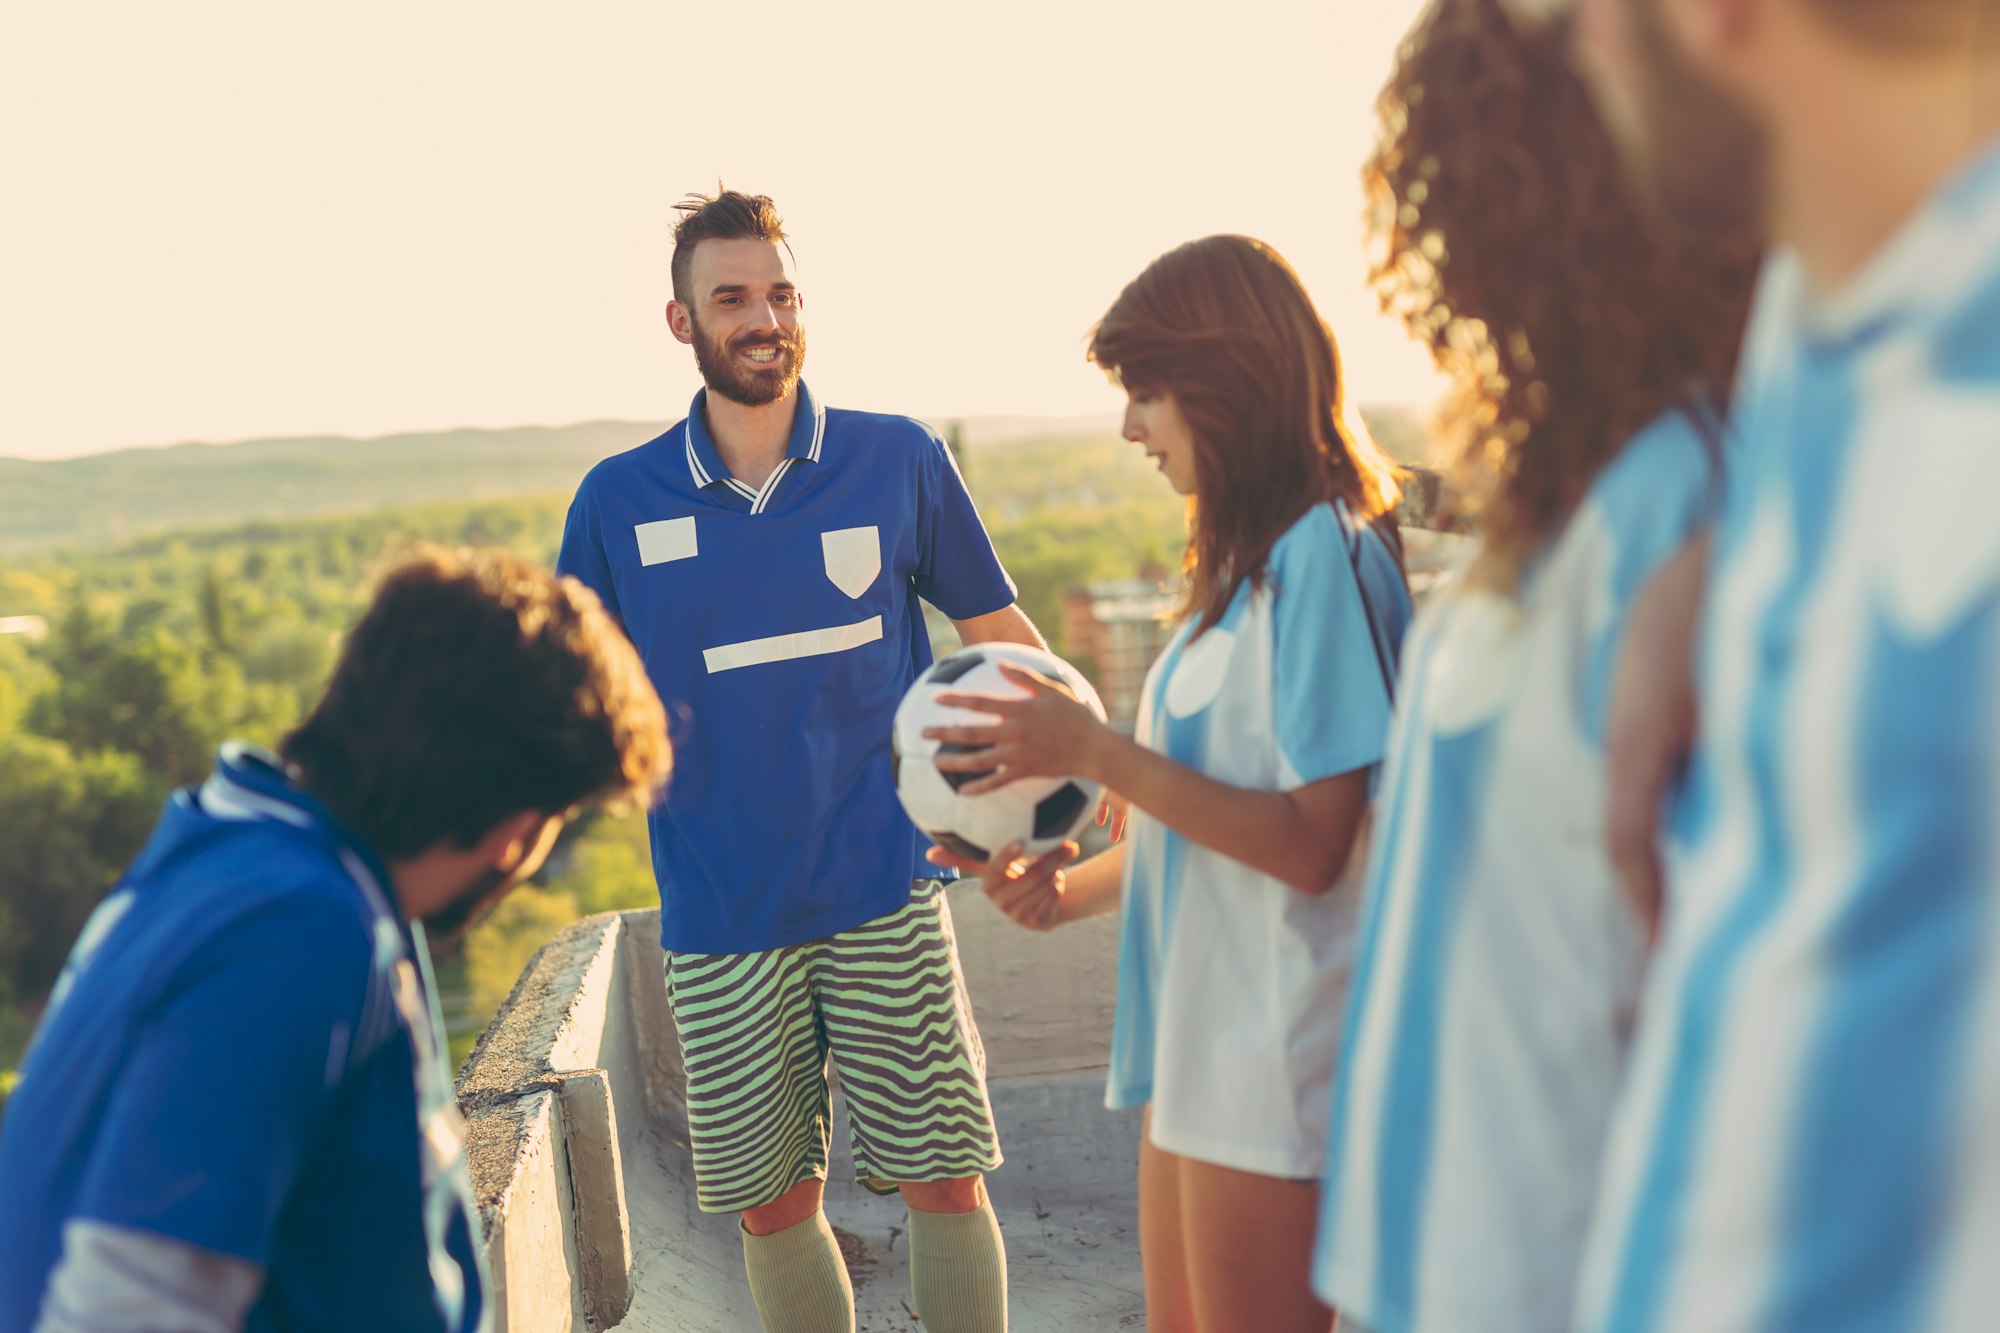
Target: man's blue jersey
pixel 782 627
pixel 244 1055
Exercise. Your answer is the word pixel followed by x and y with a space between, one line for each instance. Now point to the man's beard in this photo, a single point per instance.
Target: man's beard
pixel 1701 160
pixel 727 376
pixel 449 923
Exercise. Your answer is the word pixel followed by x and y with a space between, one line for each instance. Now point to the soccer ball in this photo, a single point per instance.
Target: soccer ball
pixel 1040 813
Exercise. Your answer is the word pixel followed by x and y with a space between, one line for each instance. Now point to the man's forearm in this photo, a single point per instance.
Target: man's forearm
pixel 1010 624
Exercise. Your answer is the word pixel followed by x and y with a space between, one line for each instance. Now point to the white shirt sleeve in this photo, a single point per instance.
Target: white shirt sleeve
pixel 118 1280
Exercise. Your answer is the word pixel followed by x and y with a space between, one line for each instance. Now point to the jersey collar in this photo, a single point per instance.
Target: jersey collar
pixel 705 463
pixel 1932 264
pixel 249 782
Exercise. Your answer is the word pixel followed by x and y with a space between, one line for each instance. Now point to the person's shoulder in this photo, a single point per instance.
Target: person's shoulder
pixel 267 879
pixel 1669 463
pixel 1319 545
pixel 883 431
pixel 617 471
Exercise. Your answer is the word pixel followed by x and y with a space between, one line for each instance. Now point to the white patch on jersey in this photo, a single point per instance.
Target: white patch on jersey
pixel 853 558
pixel 1927 464
pixel 666 540
pixel 1198 678
pixel 788 647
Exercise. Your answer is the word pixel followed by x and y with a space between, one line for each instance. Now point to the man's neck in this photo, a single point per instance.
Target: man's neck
pixel 751 440
pixel 1855 157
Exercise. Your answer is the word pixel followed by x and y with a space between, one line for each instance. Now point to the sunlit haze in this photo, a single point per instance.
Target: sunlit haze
pixel 234 220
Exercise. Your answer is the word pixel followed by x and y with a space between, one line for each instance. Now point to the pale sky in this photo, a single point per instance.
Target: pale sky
pixel 232 220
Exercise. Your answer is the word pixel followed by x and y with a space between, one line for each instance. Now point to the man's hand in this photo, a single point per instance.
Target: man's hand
pixel 1030 892
pixel 1651 725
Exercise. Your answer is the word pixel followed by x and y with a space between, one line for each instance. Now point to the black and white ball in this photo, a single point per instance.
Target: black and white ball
pixel 1040 813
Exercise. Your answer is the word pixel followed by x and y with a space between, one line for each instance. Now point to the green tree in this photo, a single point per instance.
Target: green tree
pixel 498 949
pixel 610 867
pixel 151 694
pixel 69 823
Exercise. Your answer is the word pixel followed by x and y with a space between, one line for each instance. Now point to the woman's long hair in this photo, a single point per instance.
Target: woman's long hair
pixel 1225 326
pixel 1507 240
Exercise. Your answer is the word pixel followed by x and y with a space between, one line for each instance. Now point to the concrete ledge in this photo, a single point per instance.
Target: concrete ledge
pixel 543 1135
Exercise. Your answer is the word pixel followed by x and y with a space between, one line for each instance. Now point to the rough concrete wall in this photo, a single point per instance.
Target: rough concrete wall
pixel 531 1255
pixel 543 1137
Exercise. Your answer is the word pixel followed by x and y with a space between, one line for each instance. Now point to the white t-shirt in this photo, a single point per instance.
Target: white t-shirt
pixel 1230 983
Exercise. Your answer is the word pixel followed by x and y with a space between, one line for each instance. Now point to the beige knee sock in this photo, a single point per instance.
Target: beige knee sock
pixel 958 1271
pixel 799 1280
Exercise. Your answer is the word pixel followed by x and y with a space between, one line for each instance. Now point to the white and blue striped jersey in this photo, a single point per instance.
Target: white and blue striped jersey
pixel 1499 962
pixel 1231 983
pixel 1810 1135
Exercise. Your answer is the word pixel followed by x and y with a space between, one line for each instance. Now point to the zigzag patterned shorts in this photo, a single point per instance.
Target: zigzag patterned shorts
pixel 886 1003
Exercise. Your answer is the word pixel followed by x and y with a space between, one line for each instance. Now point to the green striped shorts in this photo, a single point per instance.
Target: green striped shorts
pixel 886 1003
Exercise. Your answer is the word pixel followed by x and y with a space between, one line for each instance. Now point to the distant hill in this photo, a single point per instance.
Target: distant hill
pixel 103 499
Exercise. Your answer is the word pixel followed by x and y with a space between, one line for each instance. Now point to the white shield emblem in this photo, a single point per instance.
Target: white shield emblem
pixel 853 558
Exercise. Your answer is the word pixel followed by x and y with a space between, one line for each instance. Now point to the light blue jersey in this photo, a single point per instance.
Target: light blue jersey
pixel 1499 962
pixel 1810 1137
pixel 1230 983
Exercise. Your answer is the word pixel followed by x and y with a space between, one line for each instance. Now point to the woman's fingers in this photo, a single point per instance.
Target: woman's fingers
pixel 1029 679
pixel 998 705
pixel 970 761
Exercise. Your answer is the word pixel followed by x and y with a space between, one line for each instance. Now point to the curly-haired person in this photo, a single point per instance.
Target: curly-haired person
pixel 237 1112
pixel 1499 962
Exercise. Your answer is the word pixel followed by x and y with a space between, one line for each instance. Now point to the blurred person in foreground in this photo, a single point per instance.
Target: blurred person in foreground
pixel 1248 779
pixel 1500 964
pixel 1809 1135
pixel 236 1113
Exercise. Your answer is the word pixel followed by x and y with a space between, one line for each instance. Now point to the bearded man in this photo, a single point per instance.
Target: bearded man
pixel 767 555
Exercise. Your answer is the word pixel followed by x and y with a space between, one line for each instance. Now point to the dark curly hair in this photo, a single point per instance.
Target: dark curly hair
pixel 1505 238
pixel 477 686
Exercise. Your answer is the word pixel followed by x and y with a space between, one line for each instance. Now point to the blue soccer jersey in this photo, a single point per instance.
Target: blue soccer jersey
pixel 1500 962
pixel 1810 1134
pixel 1231 983
pixel 244 1055
pixel 782 627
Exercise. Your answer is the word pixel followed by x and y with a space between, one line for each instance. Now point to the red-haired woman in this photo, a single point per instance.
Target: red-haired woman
pixel 1259 730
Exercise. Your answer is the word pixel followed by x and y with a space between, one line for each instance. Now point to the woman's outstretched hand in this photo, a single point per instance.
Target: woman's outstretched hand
pixel 1029 892
pixel 1047 734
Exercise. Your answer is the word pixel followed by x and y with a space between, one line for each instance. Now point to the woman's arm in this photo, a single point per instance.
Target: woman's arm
pixel 1301 837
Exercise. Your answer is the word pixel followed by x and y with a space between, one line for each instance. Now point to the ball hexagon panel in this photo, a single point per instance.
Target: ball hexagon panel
pixel 1039 813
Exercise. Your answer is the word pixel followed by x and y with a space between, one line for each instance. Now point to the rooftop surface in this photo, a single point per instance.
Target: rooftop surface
pixel 577 1134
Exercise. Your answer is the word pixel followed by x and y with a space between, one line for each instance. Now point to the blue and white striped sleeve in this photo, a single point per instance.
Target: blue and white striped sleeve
pixel 1648 504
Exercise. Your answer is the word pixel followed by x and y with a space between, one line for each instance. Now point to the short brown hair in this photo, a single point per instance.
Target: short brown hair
pixel 475 687
pixel 730 216
pixel 1225 326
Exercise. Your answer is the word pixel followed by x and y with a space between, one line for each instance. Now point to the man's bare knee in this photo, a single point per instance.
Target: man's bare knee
pixel 789 1209
pixel 945 1196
